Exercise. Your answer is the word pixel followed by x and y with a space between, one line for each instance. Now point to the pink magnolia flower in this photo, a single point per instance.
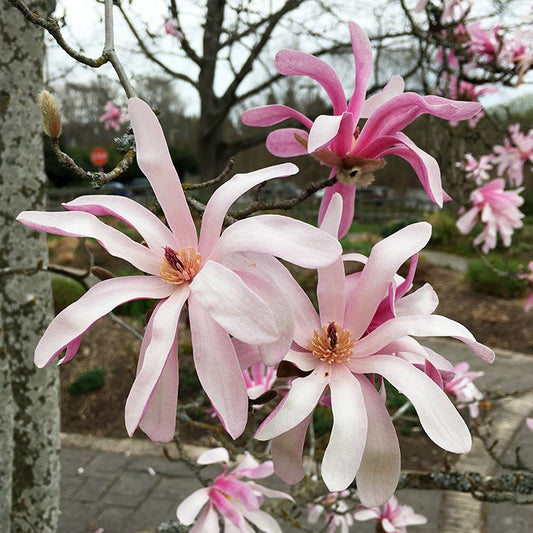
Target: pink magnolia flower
pixel 529 276
pixel 463 388
pixel 172 28
pixel 394 518
pixel 477 170
pixel 337 141
pixel 498 211
pixel 233 497
pixel 343 344
pixel 482 43
pixel 179 267
pixel 334 510
pixel 259 379
pixel 113 117
pixel 451 9
pixel 515 152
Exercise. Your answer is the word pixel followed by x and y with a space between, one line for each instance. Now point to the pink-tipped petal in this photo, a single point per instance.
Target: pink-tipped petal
pixel 348 196
pixel 268 115
pixel 284 143
pixel 287 451
pixel 324 129
pixel 438 416
pixel 362 53
pixel 385 259
pixel 154 160
pixel 378 475
pixel 226 194
pixel 218 369
pixel 298 405
pixel 394 87
pixel 189 508
pixel 295 63
pixel 280 236
pixel 348 436
pixel 151 229
pixel 233 305
pixel 80 224
pixel 213 456
pixel 94 304
pixel 155 354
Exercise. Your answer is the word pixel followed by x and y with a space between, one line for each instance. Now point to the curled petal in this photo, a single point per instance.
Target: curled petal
pixel 268 115
pixel 348 196
pixel 394 87
pixel 214 455
pixel 189 508
pixel 285 143
pixel 362 52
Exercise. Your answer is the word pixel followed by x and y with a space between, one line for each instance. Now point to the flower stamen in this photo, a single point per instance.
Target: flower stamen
pixel 179 267
pixel 332 344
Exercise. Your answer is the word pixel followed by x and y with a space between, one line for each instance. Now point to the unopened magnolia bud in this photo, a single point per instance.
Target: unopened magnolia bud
pixel 51 116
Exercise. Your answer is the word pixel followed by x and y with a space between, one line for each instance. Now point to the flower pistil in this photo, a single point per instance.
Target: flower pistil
pixel 179 267
pixel 332 344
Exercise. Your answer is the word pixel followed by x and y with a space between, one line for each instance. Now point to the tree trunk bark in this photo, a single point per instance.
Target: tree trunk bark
pixel 29 416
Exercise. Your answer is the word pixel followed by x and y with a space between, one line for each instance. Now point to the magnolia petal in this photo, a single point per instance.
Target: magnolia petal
pixel 208 521
pixel 218 368
pixel 214 455
pixel 298 405
pixel 295 63
pixel 438 416
pixel 330 288
pixel 394 87
pixel 378 475
pixel 305 317
pixel 155 354
pixel 324 129
pixel 419 326
pixel 287 451
pixel 153 231
pixel 362 53
pixel 284 142
pixel 233 305
pixel 385 259
pixel 348 196
pixel 155 162
pixel 348 436
pixel 189 508
pixel 94 304
pixel 80 224
pixel 263 521
pixel 423 301
pixel 268 115
pixel 466 222
pixel 284 237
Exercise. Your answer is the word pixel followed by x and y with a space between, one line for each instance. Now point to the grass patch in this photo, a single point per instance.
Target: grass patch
pixel 502 282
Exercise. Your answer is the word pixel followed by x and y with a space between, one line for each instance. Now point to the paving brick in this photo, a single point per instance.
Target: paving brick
pixel 113 517
pixel 93 489
pixel 77 517
pixel 130 489
pixel 174 488
pixel 150 514
pixel 161 465
pixel 104 463
pixel 70 484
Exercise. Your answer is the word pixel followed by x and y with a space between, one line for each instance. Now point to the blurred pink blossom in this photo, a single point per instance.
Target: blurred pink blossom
pixel 393 518
pixel 114 116
pixel 258 379
pixel 231 496
pixel 529 421
pixel 333 510
pixel 497 210
pixel 515 152
pixel 529 276
pixel 463 388
pixel 352 152
pixel 172 28
pixel 483 44
pixel 477 170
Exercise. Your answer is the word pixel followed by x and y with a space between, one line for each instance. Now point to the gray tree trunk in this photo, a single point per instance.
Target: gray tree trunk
pixel 29 412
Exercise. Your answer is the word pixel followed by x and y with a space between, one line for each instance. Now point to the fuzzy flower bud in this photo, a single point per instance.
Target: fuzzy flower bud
pixel 51 115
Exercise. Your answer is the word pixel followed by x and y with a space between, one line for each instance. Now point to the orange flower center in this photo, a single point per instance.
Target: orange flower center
pixel 179 267
pixel 332 344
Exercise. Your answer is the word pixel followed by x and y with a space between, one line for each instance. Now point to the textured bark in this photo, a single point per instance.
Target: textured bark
pixel 29 416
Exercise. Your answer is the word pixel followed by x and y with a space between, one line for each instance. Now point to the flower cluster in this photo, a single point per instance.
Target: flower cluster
pixel 113 117
pixel 332 509
pixel 463 388
pixel 232 497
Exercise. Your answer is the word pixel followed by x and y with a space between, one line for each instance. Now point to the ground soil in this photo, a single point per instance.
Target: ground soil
pixel 498 322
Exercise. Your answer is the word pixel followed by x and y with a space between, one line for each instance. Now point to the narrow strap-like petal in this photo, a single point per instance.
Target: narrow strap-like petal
pixel 79 224
pixel 378 475
pixel 280 236
pixel 94 304
pixel 362 53
pixel 189 508
pixel 348 436
pixel 284 142
pixel 438 416
pixel 154 160
pixel 226 194
pixel 385 259
pixel 218 369
pixel 348 196
pixel 394 87
pixel 151 229
pixel 268 115
pixel 295 63
pixel 163 333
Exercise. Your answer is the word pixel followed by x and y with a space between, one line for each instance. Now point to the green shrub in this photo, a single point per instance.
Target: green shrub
pixel 397 225
pixel 504 283
pixel 65 291
pixel 88 381
pixel 444 229
pixel 136 308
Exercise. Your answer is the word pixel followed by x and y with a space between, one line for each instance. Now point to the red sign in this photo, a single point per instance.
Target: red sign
pixel 99 157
